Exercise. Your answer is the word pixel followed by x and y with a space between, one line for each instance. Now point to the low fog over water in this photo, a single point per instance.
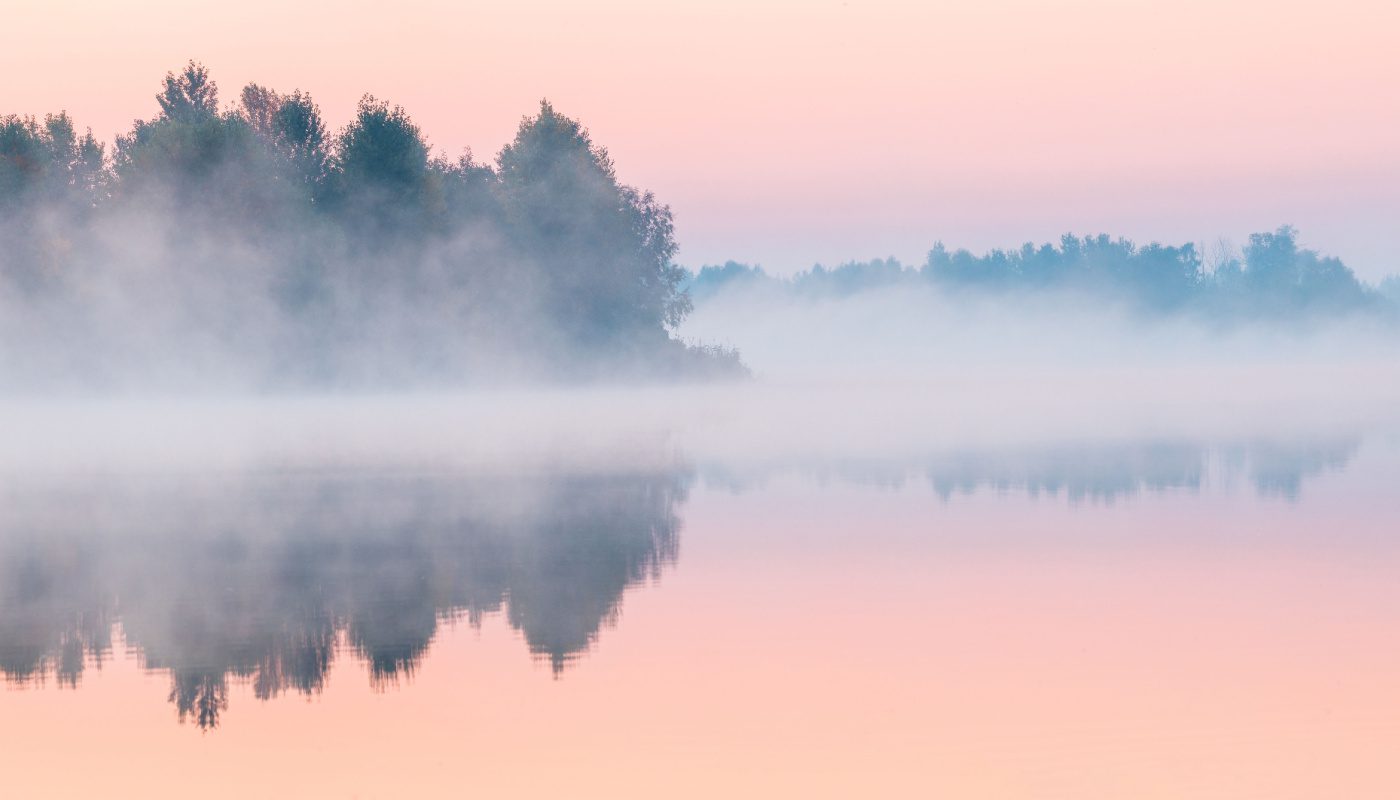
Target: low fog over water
pixel 266 577
pixel 277 399
pixel 230 243
pixel 234 286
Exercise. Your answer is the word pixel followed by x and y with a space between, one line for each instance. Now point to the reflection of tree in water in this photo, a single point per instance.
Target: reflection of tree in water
pixel 1278 469
pixel 1093 473
pixel 265 582
pixel 54 613
pixel 1100 472
pixel 1107 472
pixel 262 583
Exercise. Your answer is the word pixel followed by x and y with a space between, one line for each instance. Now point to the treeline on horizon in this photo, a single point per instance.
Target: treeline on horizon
pixel 1272 278
pixel 251 240
pixel 248 244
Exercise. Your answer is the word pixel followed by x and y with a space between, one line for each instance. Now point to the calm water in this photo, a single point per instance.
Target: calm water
pixel 1157 618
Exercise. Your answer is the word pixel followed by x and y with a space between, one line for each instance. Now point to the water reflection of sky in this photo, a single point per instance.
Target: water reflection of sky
pixel 1042 606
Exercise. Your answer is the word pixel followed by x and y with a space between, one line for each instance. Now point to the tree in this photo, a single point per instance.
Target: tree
pixel 291 126
pixel 1271 260
pixel 1284 276
pixel 50 180
pixel 48 163
pixel 381 180
pixel 604 249
pixel 200 170
pixel 189 96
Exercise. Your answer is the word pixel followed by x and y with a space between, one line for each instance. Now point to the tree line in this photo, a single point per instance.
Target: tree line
pixel 250 243
pixel 1272 277
pixel 252 235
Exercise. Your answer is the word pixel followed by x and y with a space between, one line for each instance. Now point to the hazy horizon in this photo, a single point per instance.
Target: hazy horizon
pixel 825 399
pixel 791 134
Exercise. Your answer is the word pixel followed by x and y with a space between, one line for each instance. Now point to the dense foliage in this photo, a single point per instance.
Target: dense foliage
pixel 250 244
pixel 252 237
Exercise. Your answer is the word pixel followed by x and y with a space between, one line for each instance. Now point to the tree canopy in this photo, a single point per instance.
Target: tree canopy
pixel 252 233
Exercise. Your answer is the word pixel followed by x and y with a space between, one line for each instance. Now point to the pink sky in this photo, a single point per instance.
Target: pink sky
pixel 791 132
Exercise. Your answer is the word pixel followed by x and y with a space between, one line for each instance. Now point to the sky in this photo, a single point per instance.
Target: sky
pixel 789 133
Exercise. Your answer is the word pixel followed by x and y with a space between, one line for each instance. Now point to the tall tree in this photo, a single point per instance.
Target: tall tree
pixel 605 249
pixel 48 163
pixel 292 127
pixel 381 178
pixel 50 180
pixel 189 96
pixel 193 165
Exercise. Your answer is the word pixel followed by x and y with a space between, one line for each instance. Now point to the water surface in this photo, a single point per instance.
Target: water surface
pixel 1154 617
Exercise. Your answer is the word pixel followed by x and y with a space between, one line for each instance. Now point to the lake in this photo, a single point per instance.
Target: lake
pixel 1167 616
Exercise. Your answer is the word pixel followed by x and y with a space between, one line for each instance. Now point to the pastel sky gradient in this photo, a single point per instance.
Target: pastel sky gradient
pixel 787 133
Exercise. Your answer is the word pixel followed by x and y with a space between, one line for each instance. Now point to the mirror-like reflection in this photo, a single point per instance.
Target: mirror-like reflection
pixel 268 578
pixel 1106 473
pixel 1084 472
pixel 262 579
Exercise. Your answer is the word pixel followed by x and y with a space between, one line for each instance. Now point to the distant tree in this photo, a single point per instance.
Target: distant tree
pixel 1283 276
pixel 468 189
pixel 301 137
pixel 1389 288
pixel 851 277
pixel 1271 260
pixel 605 249
pixel 25 163
pixel 481 271
pixel 1166 277
pixel 189 96
pixel 193 163
pixel 380 181
pixel 260 105
pixel 1273 277
pixel 711 279
pixel 48 163
pixel 50 181
pixel 291 126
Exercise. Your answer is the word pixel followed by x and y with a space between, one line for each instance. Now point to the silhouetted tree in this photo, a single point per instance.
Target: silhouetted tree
pixel 381 182
pixel 198 167
pixel 189 96
pixel 292 126
pixel 50 180
pixel 1281 274
pixel 604 249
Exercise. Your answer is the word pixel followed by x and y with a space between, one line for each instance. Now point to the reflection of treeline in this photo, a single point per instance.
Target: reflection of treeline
pixel 1096 473
pixel 1272 277
pixel 265 584
pixel 1108 472
pixel 255 235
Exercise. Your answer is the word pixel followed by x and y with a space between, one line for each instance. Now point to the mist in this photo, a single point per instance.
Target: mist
pixel 243 247
pixel 234 286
